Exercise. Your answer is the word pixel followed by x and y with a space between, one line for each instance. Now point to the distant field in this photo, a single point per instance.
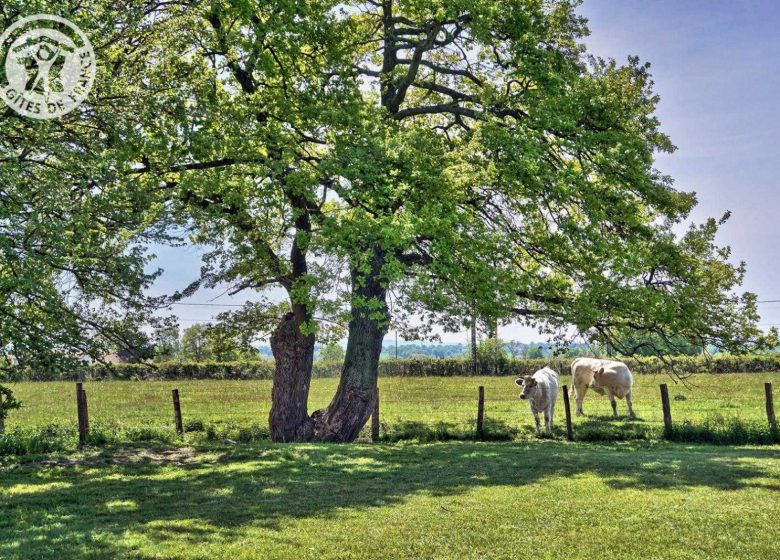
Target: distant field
pixel 407 404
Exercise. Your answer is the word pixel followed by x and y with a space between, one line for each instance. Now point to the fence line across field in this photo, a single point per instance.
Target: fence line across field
pixel 82 409
pixel 665 407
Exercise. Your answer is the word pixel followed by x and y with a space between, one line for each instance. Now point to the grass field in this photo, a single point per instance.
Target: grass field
pixel 197 497
pixel 428 408
pixel 541 499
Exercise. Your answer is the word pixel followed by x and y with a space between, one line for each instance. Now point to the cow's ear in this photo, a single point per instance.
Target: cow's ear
pixel 519 382
pixel 601 371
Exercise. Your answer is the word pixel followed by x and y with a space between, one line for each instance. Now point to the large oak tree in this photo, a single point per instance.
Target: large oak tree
pixel 379 160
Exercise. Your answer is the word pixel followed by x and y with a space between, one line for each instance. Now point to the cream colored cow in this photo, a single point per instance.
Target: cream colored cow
pixel 606 377
pixel 541 392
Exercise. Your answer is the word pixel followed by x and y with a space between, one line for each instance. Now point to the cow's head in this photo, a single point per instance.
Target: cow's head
pixel 528 384
pixel 597 376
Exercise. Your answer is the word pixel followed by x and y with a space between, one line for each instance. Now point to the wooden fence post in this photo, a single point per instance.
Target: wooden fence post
pixel 481 412
pixel 567 408
pixel 375 418
pixel 667 409
pixel 770 407
pixel 80 412
pixel 177 411
pixel 85 403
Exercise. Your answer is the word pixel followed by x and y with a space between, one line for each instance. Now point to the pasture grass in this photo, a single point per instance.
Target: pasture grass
pixel 455 500
pixel 723 408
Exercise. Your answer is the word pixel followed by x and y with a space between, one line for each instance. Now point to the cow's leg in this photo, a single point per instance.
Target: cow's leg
pixel 580 397
pixel 552 414
pixel 538 426
pixel 548 421
pixel 630 402
pixel 613 402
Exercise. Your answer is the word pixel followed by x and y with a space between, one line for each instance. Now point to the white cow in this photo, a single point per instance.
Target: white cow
pixel 541 391
pixel 606 377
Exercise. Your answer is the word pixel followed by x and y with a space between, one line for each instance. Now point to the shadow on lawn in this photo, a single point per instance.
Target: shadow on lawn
pixel 89 506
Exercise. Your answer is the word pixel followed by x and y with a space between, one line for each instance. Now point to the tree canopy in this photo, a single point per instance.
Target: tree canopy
pixel 73 269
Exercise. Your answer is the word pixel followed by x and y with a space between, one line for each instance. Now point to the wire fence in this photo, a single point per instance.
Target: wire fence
pixel 445 404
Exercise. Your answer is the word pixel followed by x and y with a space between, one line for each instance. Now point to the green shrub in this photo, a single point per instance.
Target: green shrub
pixel 194 426
pixel 719 430
pixel 54 438
pixel 7 403
pixel 493 430
pixel 255 432
pixel 23 441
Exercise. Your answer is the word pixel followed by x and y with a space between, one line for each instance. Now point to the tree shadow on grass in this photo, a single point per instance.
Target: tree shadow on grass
pixel 193 499
pixel 427 432
pixel 607 428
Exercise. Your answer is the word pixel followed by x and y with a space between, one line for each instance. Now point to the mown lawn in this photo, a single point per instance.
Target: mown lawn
pixel 409 406
pixel 541 499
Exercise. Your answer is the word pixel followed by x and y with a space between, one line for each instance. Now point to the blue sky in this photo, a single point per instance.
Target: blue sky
pixel 716 66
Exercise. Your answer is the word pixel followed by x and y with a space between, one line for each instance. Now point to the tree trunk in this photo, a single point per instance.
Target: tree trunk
pixel 294 353
pixel 353 403
pixel 474 355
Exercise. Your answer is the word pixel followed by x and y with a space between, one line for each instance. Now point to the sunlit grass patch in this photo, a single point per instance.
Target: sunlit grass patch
pixel 27 489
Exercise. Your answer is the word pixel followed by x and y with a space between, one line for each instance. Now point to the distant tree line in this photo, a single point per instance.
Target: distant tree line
pixel 218 342
pixel 199 343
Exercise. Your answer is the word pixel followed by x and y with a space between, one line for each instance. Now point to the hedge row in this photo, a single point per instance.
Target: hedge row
pixel 683 365
pixel 413 367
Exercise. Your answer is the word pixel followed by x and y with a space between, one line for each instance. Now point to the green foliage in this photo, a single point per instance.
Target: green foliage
pixel 7 403
pixel 183 370
pixel 534 353
pixel 73 261
pixel 218 342
pixel 603 430
pixel 194 343
pixel 414 349
pixel 31 441
pixel 421 432
pixel 167 345
pixel 332 353
pixel 721 430
pixel 682 365
pixel 652 345
pixel 52 438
